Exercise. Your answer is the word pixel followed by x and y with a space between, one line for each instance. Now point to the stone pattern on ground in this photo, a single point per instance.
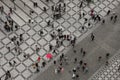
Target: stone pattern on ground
pixel 69 23
pixel 109 72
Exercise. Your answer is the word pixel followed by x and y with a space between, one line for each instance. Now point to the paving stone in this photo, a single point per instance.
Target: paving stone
pixel 30 41
pixel 3 50
pixel 2 35
pixel 1 45
pixel 28 62
pixel 42 42
pixel 2 72
pixel 21 67
pixel 34 57
pixel 102 6
pixel 9 56
pixel 42 52
pixel 26 73
pixel 14 73
pixel 19 78
pixel 38 19
pixel 6 40
pixel 26 27
pixel 23 46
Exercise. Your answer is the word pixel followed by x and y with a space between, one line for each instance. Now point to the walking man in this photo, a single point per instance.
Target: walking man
pixel 92 37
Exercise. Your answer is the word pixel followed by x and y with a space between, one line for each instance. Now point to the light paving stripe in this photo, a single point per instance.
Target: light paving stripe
pixel 13 16
pixel 25 9
pixel 30 4
pixel 40 4
pixel 18 11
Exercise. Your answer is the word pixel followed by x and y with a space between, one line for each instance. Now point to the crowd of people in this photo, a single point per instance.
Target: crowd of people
pixel 58 11
pixel 64 60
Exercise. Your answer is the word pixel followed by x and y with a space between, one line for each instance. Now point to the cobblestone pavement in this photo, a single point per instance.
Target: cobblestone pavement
pixel 69 23
pixel 107 41
pixel 109 72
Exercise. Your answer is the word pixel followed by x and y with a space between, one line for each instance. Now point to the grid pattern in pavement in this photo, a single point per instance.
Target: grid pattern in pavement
pixel 109 72
pixel 69 23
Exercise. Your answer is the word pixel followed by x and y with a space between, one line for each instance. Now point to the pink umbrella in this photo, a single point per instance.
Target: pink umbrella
pixel 38 59
pixel 49 55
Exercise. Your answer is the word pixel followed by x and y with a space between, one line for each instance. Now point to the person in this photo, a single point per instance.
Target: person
pixel 37 69
pixel 41 32
pixel 107 55
pixel 54 51
pixel 47 0
pixel 18 43
pixel 91 12
pixel 77 76
pixel 14 62
pixel 74 70
pixel 56 71
pixel 106 63
pixel 66 60
pixel 36 64
pixel 99 58
pixel 62 69
pixel 89 24
pixel 75 60
pixel 84 53
pixel 115 18
pixel 111 18
pixel 37 48
pixel 74 51
pixel 86 70
pixel 62 55
pixel 81 62
pixel 81 50
pixel 81 4
pixel 103 21
pixel 8 49
pixel 54 62
pixel 80 16
pixel 83 14
pixel 48 23
pixel 108 12
pixel 83 28
pixel 92 37
pixel 29 21
pixel 21 37
pixel 16 27
pixel 10 64
pixel 44 9
pixel 83 68
pixel 31 12
pixel 8 74
pixel 73 76
pixel 85 20
pixel 43 64
pixel 24 4
pixel 50 47
pixel 32 21
pixel 119 68
pixel 11 11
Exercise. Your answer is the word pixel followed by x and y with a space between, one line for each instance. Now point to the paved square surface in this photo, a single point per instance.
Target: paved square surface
pixel 69 23
pixel 109 72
